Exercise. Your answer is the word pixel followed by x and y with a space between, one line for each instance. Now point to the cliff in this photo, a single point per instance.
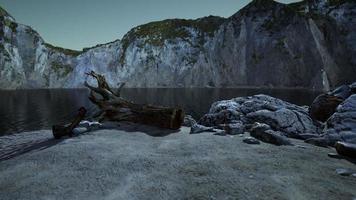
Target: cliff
pixel 306 44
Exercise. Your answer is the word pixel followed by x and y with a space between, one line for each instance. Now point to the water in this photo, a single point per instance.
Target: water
pixel 26 110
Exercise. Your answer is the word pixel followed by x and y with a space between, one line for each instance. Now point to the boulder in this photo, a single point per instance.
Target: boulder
pixel 265 134
pixel 290 119
pixel 342 124
pixel 342 92
pixel 188 121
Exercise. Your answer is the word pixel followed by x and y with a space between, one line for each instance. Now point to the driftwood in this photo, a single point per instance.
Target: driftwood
pixel 60 131
pixel 115 108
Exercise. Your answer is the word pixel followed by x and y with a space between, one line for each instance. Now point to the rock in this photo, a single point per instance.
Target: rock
pixel 233 129
pixel 90 125
pixel 344 172
pixel 263 133
pixel 220 132
pixel 324 106
pixel 335 155
pixel 189 121
pixel 197 128
pixel 308 136
pixel 353 88
pixel 346 149
pixel 292 120
pixel 80 130
pixel 288 121
pixel 251 140
pixel 321 142
pixel 341 126
pixel 342 92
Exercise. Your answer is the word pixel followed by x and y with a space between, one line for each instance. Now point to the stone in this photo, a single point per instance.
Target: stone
pixel 220 133
pixel 308 136
pixel 341 126
pixel 335 155
pixel 251 140
pixel 290 119
pixel 343 92
pixel 189 121
pixel 321 142
pixel 263 133
pixel 236 128
pixel 346 149
pixel 285 120
pixel 197 128
pixel 353 88
pixel 80 130
pixel 344 172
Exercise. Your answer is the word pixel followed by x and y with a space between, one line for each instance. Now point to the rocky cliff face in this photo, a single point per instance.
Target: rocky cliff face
pixel 307 44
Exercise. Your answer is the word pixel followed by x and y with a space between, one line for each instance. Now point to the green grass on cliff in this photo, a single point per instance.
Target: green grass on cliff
pixel 68 52
pixel 156 33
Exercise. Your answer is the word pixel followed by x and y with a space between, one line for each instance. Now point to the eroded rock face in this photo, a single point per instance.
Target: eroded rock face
pixel 309 44
pixel 289 119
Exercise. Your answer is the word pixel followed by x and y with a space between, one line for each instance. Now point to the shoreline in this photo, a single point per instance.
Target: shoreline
pixel 177 88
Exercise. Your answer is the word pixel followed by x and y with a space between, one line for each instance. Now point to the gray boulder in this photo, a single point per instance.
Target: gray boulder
pixel 343 92
pixel 265 134
pixel 342 124
pixel 290 119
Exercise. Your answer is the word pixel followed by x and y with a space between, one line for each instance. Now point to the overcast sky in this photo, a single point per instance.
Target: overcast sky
pixel 82 23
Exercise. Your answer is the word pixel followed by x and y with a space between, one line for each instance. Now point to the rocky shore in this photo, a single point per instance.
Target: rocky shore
pixel 330 119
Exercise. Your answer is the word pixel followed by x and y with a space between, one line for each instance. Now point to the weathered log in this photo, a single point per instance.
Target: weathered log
pixel 60 131
pixel 115 108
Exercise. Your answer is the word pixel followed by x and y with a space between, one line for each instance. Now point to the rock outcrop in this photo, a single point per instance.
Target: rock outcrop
pixel 279 116
pixel 272 120
pixel 307 44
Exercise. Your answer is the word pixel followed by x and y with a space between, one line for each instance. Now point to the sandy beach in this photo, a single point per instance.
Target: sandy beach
pixel 135 163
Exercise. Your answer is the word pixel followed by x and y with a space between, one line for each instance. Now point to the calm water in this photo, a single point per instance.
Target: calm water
pixel 26 110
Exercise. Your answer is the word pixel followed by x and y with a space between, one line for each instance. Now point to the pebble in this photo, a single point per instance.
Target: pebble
pixel 251 140
pixel 334 155
pixel 300 146
pixel 344 172
pixel 220 133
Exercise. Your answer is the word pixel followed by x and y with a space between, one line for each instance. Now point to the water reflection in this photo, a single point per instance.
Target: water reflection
pixel 25 110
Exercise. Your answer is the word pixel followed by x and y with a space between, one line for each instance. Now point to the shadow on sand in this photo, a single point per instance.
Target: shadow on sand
pixel 23 148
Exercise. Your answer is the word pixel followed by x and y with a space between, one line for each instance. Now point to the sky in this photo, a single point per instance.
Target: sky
pixel 76 24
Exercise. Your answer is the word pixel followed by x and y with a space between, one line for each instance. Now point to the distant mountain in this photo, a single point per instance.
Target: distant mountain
pixel 310 44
